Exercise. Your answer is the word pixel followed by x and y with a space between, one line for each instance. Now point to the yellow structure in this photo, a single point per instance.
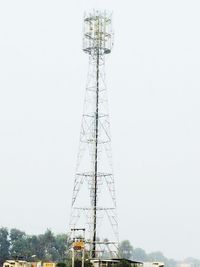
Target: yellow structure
pixel 19 263
pixel 16 263
pixel 78 245
pixel 49 264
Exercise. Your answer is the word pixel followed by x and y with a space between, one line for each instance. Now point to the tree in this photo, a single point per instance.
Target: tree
pixel 35 248
pixel 139 254
pixel 19 248
pixel 61 245
pixel 61 264
pixel 4 245
pixel 126 250
pixel 171 263
pixel 48 242
pixel 124 263
pixel 157 256
pixel 78 263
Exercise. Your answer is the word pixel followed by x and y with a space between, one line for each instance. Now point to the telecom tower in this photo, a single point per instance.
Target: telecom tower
pixel 93 199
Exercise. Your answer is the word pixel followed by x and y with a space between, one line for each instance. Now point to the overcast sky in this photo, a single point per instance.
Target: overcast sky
pixel 153 88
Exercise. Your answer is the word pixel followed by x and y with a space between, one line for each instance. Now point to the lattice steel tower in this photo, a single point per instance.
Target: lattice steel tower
pixel 93 200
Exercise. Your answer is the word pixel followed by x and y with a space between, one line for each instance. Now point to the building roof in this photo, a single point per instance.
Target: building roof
pixel 116 260
pixel 130 261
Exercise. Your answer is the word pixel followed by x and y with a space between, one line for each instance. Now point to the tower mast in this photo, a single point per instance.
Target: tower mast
pixel 96 157
pixel 94 165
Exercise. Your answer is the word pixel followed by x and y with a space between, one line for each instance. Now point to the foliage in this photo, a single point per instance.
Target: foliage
pixel 16 244
pixel 4 245
pixel 156 256
pixel 139 254
pixel 78 263
pixel 124 263
pixel 194 262
pixel 126 249
pixel 61 264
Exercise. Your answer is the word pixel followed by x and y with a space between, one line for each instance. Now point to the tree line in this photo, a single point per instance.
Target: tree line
pixel 139 254
pixel 126 250
pixel 16 244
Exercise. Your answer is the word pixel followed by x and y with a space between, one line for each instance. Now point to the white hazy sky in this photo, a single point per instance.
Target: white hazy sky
pixel 153 78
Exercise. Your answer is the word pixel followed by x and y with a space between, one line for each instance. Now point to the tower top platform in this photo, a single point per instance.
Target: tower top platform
pixel 97 32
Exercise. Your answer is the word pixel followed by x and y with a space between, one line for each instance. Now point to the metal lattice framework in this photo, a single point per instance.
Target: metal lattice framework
pixel 94 200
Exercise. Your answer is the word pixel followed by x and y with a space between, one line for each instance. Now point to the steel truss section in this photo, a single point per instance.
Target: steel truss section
pixel 94 199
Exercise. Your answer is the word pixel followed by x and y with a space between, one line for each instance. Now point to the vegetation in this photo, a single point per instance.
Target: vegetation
pixel 16 244
pixel 127 251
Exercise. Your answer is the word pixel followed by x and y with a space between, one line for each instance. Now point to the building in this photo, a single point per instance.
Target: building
pixel 153 264
pixel 20 263
pixel 114 262
pixel 17 263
